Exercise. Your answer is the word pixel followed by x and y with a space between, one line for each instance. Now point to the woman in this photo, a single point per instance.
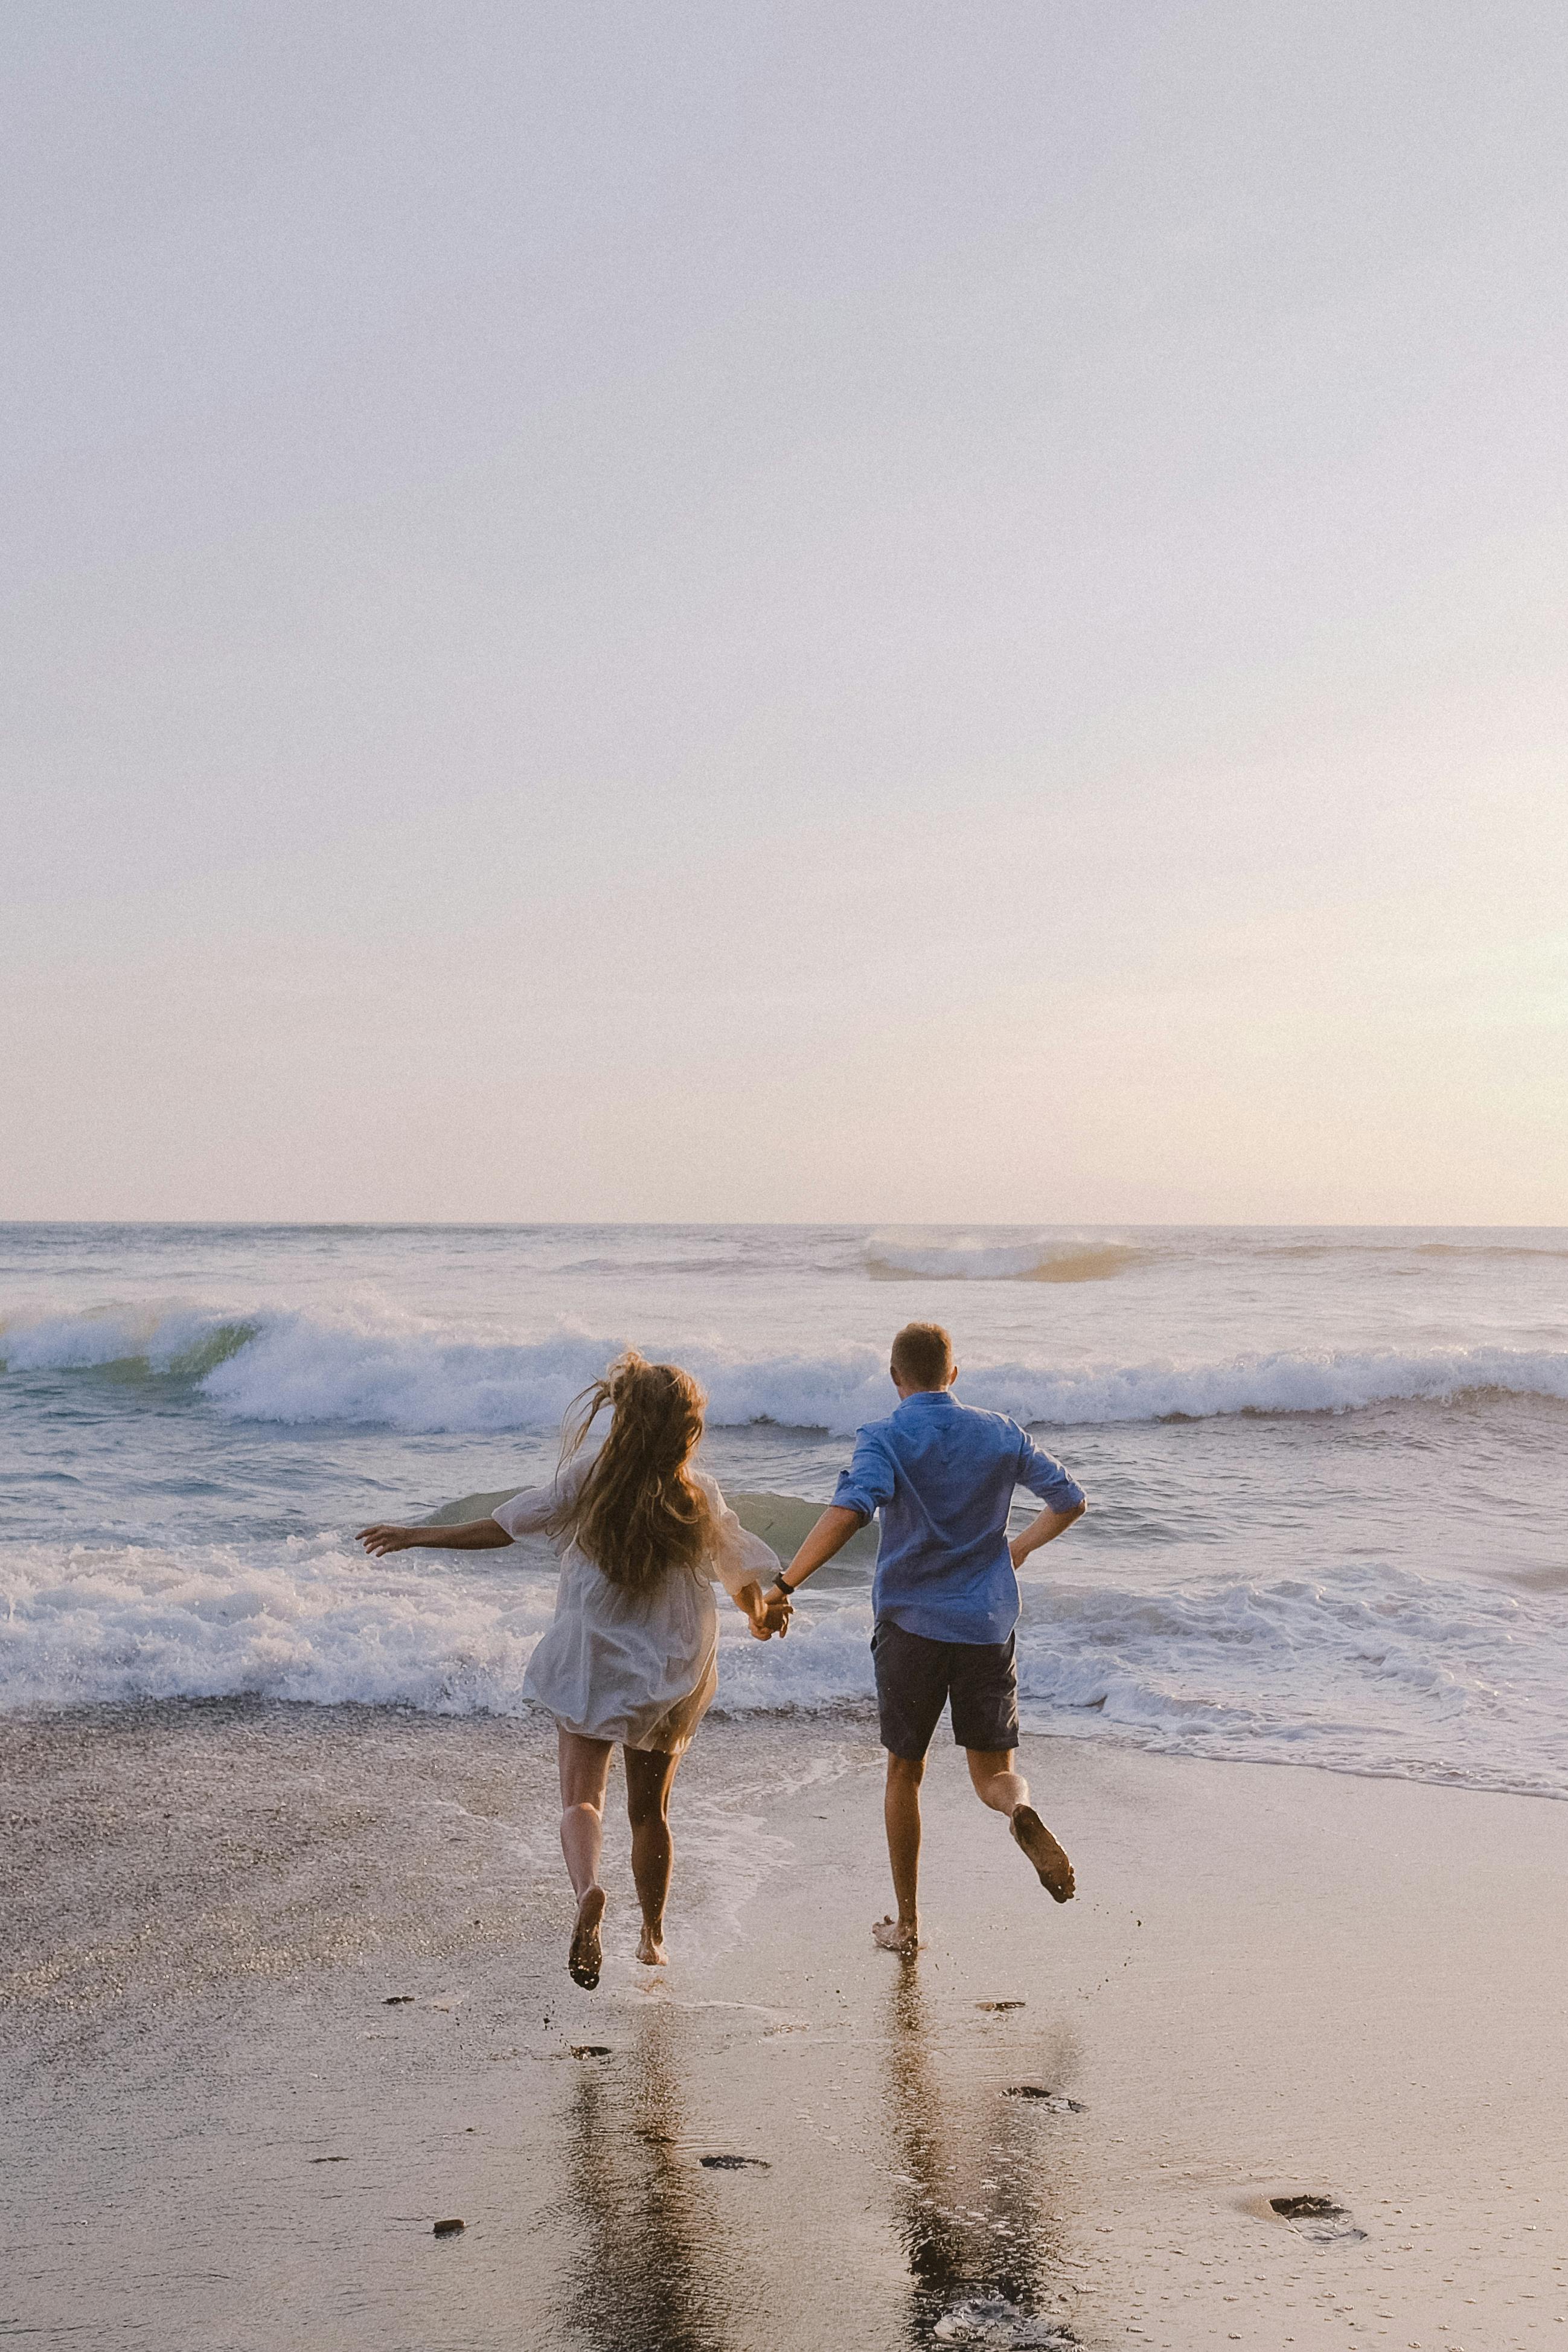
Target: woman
pixel 632 1654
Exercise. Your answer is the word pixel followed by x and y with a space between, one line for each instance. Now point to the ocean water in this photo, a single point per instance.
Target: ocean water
pixel 1327 1469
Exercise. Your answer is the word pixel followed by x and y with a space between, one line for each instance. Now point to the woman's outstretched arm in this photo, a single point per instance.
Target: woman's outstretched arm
pixel 470 1535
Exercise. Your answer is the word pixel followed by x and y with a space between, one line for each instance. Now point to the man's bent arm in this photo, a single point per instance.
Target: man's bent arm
pixel 830 1533
pixel 1043 1531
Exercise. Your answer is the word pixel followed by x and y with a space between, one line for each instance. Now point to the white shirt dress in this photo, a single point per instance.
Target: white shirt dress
pixel 638 1667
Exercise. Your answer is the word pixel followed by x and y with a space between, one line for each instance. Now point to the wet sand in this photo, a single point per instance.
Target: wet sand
pixel 1060 2125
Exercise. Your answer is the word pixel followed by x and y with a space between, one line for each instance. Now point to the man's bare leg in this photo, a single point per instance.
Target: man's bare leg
pixel 584 1776
pixel 900 1813
pixel 1006 1791
pixel 649 1773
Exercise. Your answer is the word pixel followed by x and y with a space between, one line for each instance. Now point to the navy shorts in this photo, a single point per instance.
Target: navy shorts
pixel 916 1679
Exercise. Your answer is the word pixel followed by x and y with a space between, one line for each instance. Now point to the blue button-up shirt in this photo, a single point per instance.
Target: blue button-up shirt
pixel 942 1475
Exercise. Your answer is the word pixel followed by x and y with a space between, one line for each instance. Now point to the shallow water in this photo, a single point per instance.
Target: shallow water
pixel 1326 1469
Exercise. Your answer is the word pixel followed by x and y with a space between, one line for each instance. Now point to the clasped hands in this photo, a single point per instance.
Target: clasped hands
pixel 773 1616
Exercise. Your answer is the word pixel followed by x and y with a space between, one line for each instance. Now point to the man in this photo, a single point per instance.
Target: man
pixel 945 1598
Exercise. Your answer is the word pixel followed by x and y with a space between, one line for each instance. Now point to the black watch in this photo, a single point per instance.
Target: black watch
pixel 787 1590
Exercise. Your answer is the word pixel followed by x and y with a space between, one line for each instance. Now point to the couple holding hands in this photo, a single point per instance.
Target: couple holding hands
pixel 632 1658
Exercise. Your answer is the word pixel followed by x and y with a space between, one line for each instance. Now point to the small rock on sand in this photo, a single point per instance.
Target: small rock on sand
pixel 449 2229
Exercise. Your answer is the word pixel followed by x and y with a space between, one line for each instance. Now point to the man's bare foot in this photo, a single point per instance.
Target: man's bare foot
pixel 651 1949
pixel 583 1959
pixel 899 1936
pixel 1055 1870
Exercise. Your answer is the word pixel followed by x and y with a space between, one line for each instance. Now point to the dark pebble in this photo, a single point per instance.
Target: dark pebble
pixel 396 2000
pixel 590 2050
pixel 733 2163
pixel 448 2229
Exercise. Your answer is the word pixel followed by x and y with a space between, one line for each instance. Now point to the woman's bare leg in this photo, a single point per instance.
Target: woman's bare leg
pixel 649 1774
pixel 584 1777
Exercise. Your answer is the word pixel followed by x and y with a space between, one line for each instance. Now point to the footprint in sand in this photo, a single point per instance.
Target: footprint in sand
pixel 1318 2218
pixel 991 2319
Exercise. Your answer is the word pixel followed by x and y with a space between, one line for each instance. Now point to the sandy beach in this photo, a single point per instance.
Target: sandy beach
pixel 284 1988
pixel 814 752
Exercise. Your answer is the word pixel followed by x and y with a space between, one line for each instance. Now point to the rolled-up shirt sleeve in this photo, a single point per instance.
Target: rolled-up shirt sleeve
pixel 868 1482
pixel 1046 1477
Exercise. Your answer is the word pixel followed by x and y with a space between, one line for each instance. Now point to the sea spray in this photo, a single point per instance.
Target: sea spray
pixel 374 1368
pixel 1368 1671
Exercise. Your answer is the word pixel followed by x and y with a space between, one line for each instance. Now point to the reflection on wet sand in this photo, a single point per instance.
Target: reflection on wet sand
pixel 982 2260
pixel 649 2255
pixel 663 2256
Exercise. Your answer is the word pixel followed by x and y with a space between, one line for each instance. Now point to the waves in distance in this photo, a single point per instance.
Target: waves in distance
pixel 379 1369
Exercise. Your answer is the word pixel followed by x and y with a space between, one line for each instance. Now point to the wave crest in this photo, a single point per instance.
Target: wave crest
pixel 380 1371
pixel 892 1257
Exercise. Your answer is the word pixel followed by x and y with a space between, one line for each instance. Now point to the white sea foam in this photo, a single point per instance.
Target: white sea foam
pixel 375 1369
pixel 298 1619
pixel 1369 1670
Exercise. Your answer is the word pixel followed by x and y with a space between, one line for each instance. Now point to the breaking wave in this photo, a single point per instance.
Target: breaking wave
pixel 380 1371
pixel 891 1257
pixel 1367 1671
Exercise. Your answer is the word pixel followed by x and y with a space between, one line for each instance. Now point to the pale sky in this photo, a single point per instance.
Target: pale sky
pixel 911 611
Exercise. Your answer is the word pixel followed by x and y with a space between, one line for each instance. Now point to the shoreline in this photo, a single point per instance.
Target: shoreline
pixel 1271 1984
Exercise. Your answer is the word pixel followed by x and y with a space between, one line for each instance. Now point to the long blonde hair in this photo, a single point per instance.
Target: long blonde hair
pixel 639 1512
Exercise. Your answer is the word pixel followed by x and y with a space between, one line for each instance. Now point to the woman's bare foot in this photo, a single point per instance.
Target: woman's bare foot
pixel 900 1936
pixel 1049 1861
pixel 651 1948
pixel 582 1961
